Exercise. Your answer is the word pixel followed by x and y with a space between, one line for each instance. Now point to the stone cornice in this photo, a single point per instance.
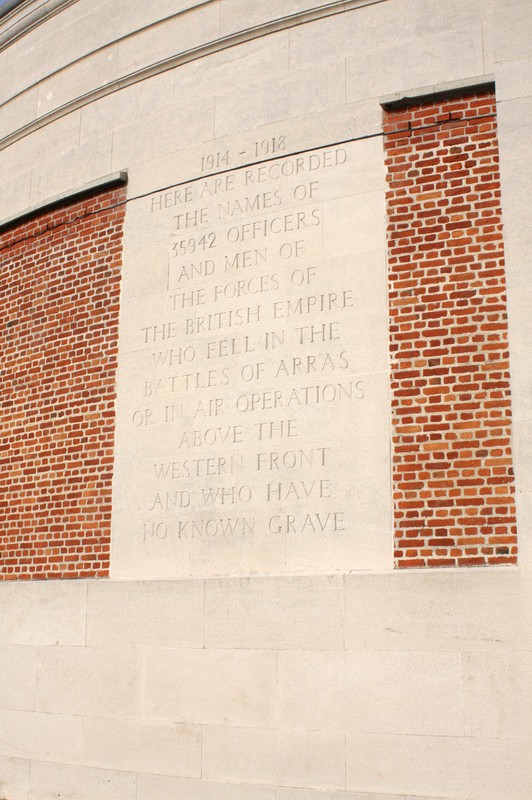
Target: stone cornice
pixel 231 40
pixel 34 17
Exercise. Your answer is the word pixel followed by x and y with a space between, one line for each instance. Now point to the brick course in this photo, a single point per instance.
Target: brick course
pixel 59 307
pixel 452 470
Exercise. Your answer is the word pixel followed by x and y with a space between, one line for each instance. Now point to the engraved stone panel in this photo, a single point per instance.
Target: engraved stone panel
pixel 253 429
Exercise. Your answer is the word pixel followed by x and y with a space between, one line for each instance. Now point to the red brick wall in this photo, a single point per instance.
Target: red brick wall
pixel 452 464
pixel 59 305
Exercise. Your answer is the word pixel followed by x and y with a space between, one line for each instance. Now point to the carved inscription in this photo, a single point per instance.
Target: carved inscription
pixel 248 371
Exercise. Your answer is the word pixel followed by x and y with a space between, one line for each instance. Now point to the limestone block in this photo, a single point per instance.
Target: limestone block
pixel 521 386
pixel 241 558
pixel 50 142
pixel 520 331
pixel 361 476
pixel 126 106
pixel 43 613
pixel 490 66
pixel 301 92
pixel 442 610
pixel 354 224
pixel 238 15
pixel 514 118
pixel 74 168
pixel 155 787
pixel 522 441
pixel 49 737
pixel 278 613
pixel 88 681
pixel 14 159
pixel 498 694
pixel 375 26
pixel 220 72
pixel 479 769
pixel 178 34
pixel 17 677
pixel 44 147
pixel 34 56
pixel 77 79
pixel 163 134
pixel 422 17
pixel 50 781
pixel 14 778
pixel 138 285
pixel 312 690
pixel 142 746
pixel 517 244
pixel 325 759
pixel 154 613
pixel 6 65
pixel 18 112
pixel 15 195
pixel 363 175
pixel 516 183
pixel 327 39
pixel 427 60
pixel 511 28
pixel 210 686
pixel 131 16
pixel 514 79
pixel 373 692
pixel 524 529
pixel 278 757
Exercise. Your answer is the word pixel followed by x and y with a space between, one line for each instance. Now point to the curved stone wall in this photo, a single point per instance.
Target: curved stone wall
pixel 253 639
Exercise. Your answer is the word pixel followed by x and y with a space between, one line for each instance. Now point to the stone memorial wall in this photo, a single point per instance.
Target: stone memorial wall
pixel 265 400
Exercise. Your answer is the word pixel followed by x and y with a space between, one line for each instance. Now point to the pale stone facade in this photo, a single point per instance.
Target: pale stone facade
pixel 253 641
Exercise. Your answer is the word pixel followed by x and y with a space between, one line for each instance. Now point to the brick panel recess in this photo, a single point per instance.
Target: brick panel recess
pixel 452 465
pixel 59 305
